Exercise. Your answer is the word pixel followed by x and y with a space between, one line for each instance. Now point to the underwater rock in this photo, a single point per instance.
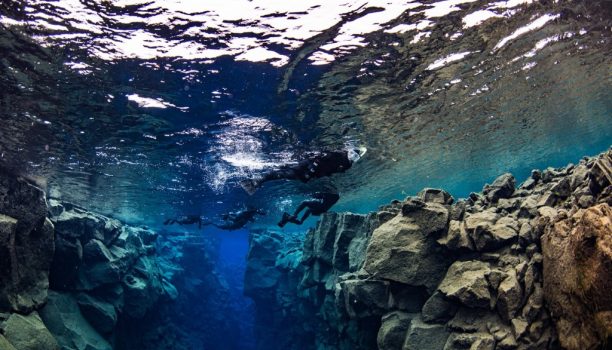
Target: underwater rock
pixel 578 276
pixel 64 320
pixel 502 187
pixel 4 344
pixel 393 329
pixel 101 315
pixel 26 245
pixel 435 195
pixel 404 249
pixel 467 275
pixel 423 336
pixel 261 273
pixel 28 333
pixel 466 282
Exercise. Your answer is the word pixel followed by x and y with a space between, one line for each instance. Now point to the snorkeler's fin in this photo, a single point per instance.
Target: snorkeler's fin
pixel 284 220
pixel 250 186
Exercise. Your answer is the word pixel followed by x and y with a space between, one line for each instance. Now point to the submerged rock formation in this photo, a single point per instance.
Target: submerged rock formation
pixel 70 278
pixel 507 268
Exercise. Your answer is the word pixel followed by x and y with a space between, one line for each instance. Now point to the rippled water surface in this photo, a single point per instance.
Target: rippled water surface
pixel 141 109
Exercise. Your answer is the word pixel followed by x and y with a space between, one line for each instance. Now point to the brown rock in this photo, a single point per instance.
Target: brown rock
pixel 578 277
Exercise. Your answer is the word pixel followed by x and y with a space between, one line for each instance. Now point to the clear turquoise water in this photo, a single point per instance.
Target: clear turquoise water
pixel 146 110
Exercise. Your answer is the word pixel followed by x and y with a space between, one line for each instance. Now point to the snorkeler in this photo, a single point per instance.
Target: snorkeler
pixel 320 203
pixel 315 165
pixel 185 220
pixel 237 220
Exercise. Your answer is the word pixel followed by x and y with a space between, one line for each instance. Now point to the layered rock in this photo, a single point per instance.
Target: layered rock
pixel 432 273
pixel 105 273
pixel 577 249
pixel 26 245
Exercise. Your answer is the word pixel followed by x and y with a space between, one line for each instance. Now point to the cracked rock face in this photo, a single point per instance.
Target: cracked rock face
pixel 507 268
pixel 26 245
pixel 578 276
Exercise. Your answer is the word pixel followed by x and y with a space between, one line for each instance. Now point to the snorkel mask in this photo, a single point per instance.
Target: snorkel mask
pixel 354 154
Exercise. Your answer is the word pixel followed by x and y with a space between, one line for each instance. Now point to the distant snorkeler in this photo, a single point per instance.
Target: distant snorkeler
pixel 237 220
pixel 314 165
pixel 185 220
pixel 320 203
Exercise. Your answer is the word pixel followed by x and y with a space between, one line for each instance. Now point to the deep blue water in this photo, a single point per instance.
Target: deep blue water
pixel 148 110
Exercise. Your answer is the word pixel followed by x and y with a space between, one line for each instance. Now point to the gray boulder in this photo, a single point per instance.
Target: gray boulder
pixel 470 341
pixel 509 296
pixel 502 187
pixel 392 332
pixel 101 315
pixel 261 273
pixel 28 333
pixel 435 195
pixel 26 254
pixel 404 248
pixel 64 320
pixel 423 336
pixel 438 309
pixel 466 282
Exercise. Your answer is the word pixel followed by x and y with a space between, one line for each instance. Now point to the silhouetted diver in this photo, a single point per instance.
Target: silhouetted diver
pixel 315 165
pixel 320 203
pixel 185 220
pixel 237 220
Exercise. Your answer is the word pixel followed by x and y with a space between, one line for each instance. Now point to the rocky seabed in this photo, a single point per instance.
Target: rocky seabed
pixel 507 268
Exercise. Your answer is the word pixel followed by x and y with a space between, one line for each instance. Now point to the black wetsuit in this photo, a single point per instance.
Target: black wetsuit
pixel 185 220
pixel 321 203
pixel 237 220
pixel 314 166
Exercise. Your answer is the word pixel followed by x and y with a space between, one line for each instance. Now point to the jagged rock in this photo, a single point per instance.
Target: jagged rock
pixel 457 237
pixel 529 207
pixel 503 232
pixel 469 320
pixel 578 276
pixel 22 200
pixel 519 327
pixel 261 273
pixel 26 252
pixel 423 336
pixel 457 211
pixel 438 309
pixel 403 249
pixel 349 226
pixel 466 282
pixel 601 173
pixel 66 261
pixel 548 199
pixel 502 187
pixel 323 241
pixel 407 298
pixel 392 332
pixel 509 296
pixel 142 287
pixel 365 297
pixel 561 189
pixel 64 320
pixel 4 344
pixel 470 341
pixel 28 333
pixel 524 235
pixel 79 223
pixel 101 315
pixel 435 195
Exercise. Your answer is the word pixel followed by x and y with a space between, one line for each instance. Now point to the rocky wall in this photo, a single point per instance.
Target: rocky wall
pixel 70 278
pixel 506 268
